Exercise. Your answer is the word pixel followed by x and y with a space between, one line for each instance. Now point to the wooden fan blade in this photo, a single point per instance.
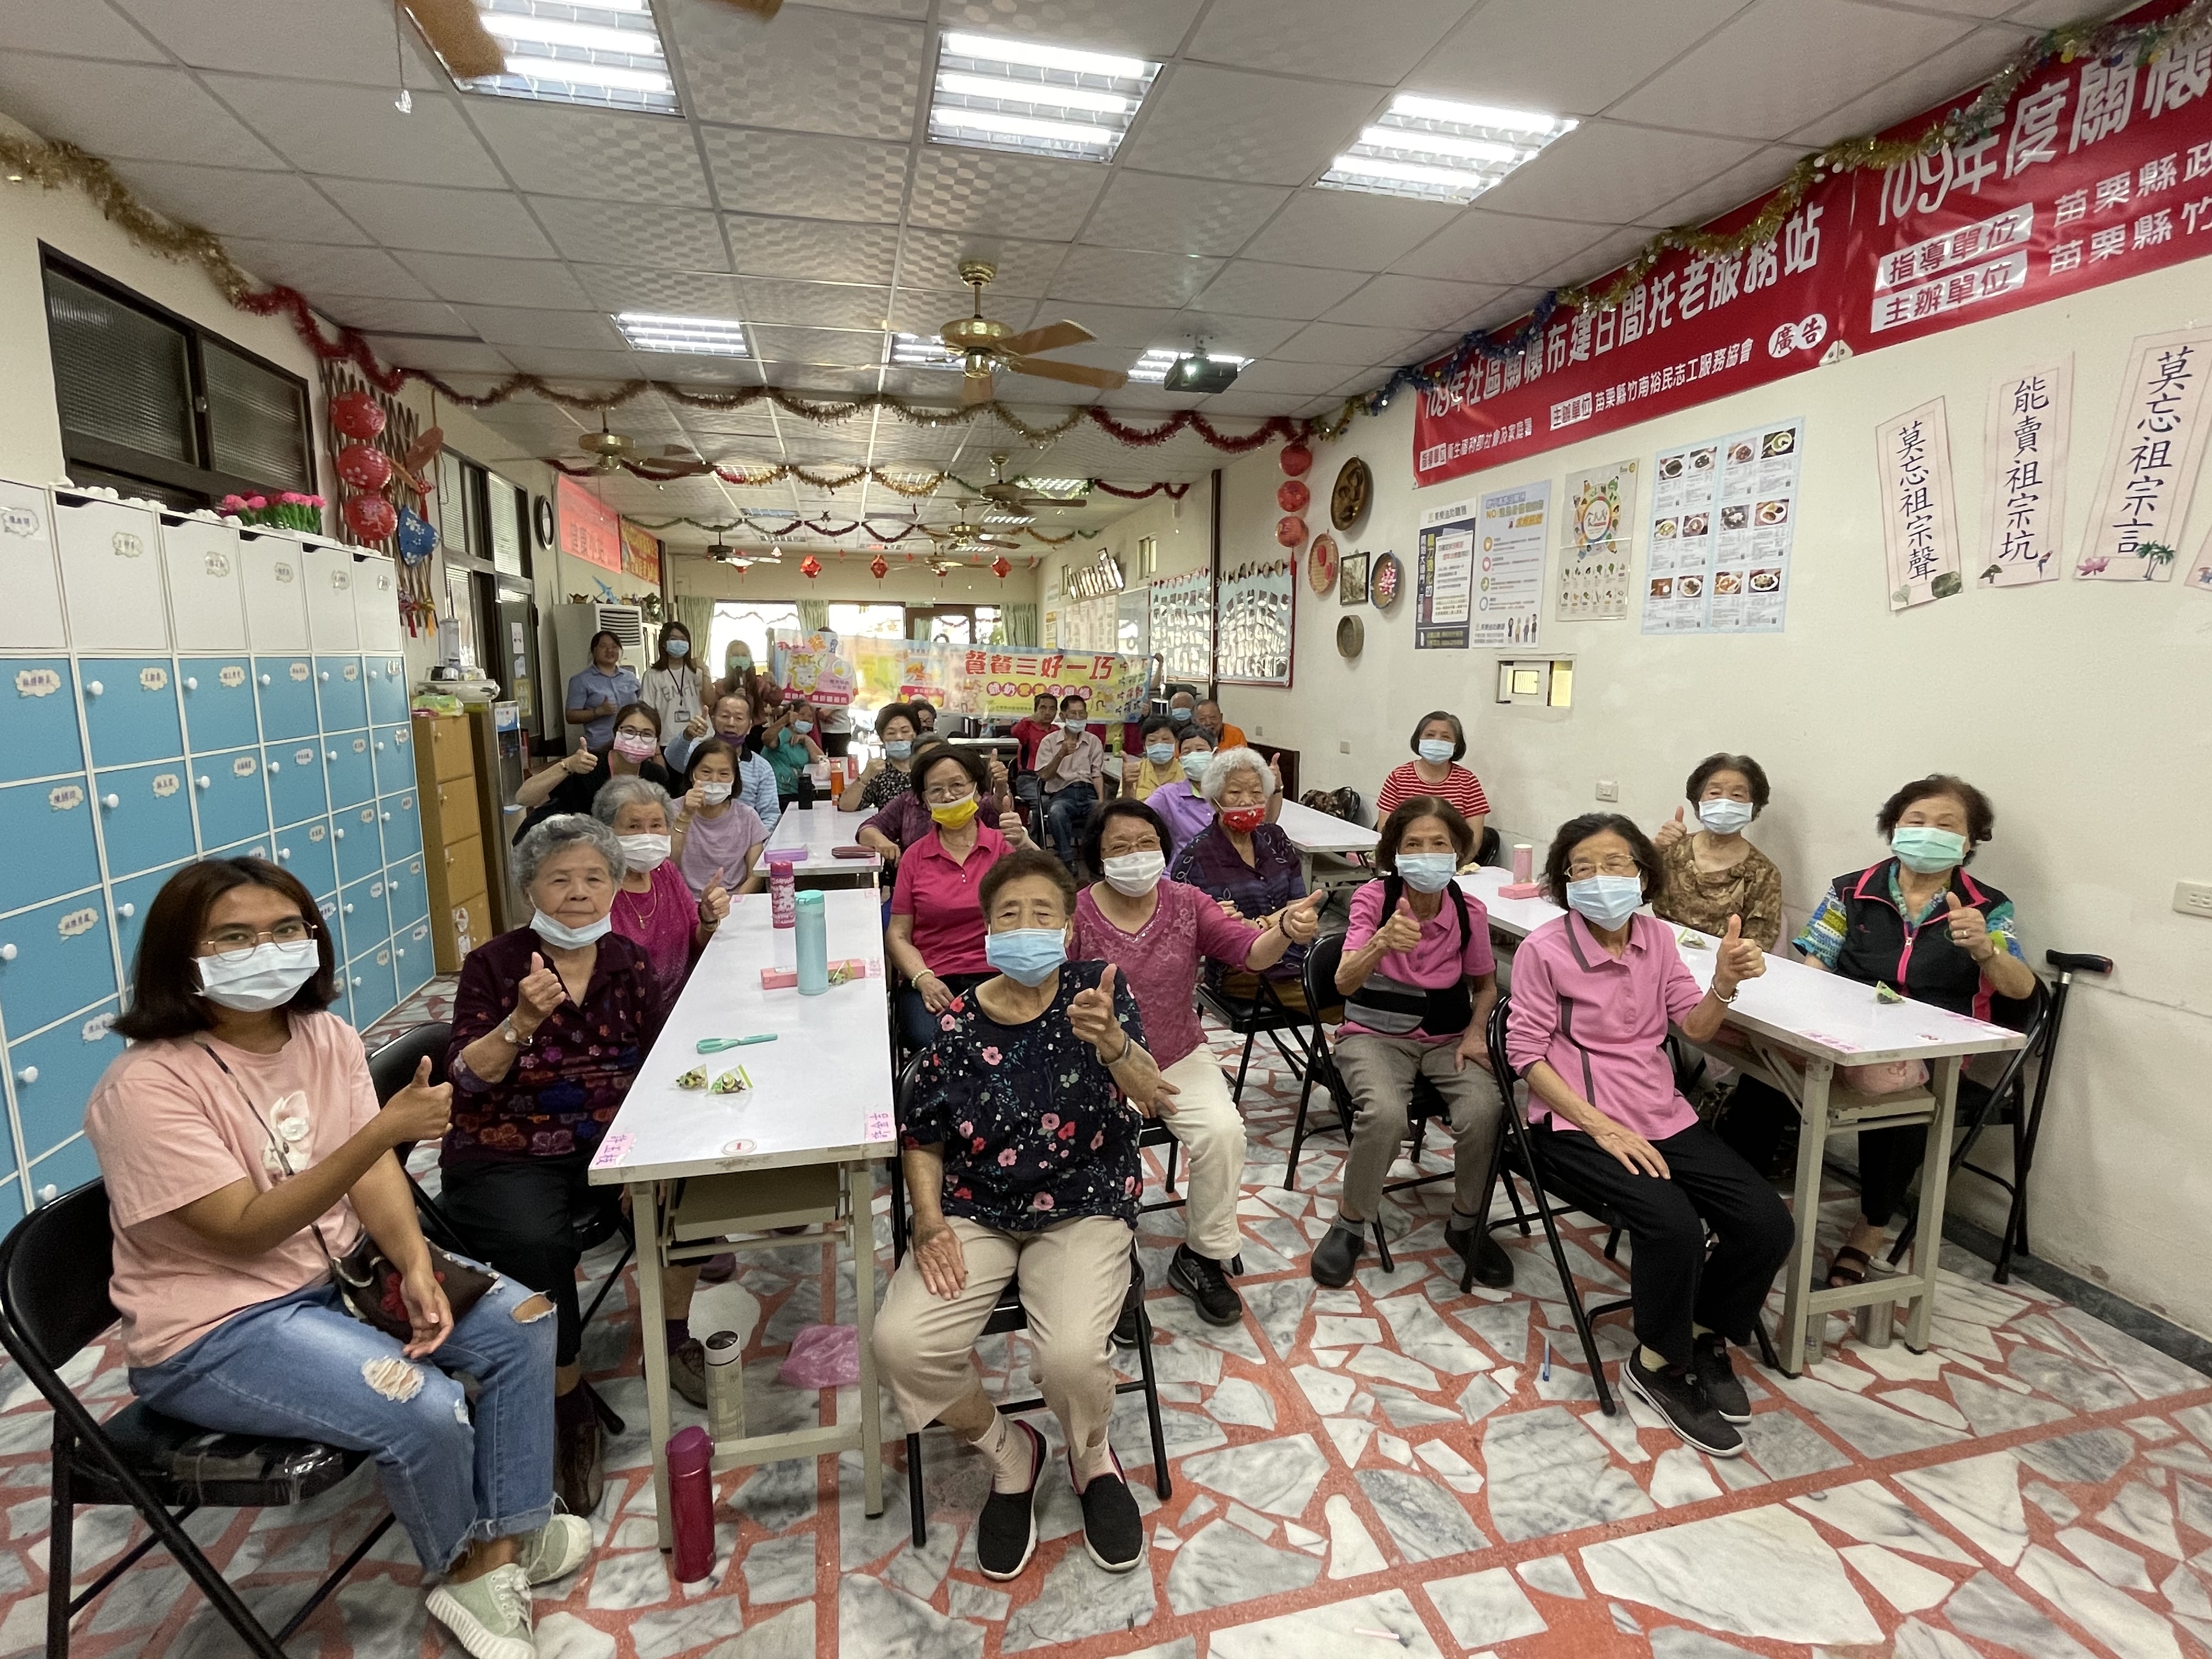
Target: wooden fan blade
pixel 457 35
pixel 1050 337
pixel 424 449
pixel 976 389
pixel 1081 373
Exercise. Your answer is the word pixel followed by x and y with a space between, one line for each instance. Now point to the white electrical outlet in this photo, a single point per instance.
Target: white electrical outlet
pixel 1607 789
pixel 1343 746
pixel 2193 898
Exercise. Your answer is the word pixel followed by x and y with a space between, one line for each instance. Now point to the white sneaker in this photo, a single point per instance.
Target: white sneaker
pixel 488 1616
pixel 555 1549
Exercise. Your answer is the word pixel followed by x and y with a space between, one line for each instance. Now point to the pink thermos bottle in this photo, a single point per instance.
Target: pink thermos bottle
pixel 691 1502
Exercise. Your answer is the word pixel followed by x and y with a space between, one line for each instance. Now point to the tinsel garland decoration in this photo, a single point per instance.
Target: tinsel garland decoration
pixel 917 484
pixel 776 525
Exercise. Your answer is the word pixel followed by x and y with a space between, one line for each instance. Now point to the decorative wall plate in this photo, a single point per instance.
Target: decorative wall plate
pixel 1351 636
pixel 1384 582
pixel 1355 489
pixel 1321 563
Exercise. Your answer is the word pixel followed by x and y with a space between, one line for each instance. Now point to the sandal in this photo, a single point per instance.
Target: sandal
pixel 1848 1267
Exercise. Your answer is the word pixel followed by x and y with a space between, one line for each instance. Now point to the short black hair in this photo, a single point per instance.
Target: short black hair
pixel 1020 862
pixel 1459 731
pixel 1121 807
pixel 165 985
pixel 1574 831
pixel 923 703
pixel 1754 774
pixel 1157 723
pixel 1044 696
pixel 894 711
pixel 710 746
pixel 603 634
pixel 1981 816
pixel 1071 699
pixel 644 708
pixel 1409 812
pixel 923 759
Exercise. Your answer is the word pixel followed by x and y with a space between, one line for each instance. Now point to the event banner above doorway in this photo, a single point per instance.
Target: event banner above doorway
pixel 2097 169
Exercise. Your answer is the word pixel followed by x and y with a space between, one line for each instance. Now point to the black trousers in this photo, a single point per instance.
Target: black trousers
pixel 1673 1280
pixel 523 1216
pixel 1759 1114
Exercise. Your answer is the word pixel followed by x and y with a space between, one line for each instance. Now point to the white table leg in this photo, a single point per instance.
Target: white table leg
pixel 1935 1179
pixel 1305 868
pixel 862 1200
pixel 1812 1153
pixel 645 1217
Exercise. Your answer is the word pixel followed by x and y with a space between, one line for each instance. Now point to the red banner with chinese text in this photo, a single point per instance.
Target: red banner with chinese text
pixel 590 530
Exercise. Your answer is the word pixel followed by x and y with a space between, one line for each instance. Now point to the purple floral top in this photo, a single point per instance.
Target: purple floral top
pixel 1033 1128
pixel 563 1090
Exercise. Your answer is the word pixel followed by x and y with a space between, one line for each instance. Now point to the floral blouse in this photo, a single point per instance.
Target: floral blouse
pixel 1033 1128
pixel 1706 900
pixel 881 788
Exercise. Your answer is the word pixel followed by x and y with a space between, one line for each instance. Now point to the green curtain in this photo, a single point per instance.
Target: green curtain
pixel 1020 622
pixel 696 613
pixel 813 615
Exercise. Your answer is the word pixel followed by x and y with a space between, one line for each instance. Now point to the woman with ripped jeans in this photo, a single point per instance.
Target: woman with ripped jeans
pixel 243 1148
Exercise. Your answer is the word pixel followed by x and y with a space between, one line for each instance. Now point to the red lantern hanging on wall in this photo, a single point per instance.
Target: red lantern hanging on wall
pixel 364 467
pixel 1295 459
pixel 371 517
pixel 356 415
pixel 880 566
pixel 1290 530
pixel 1291 495
pixel 809 567
pixel 1000 567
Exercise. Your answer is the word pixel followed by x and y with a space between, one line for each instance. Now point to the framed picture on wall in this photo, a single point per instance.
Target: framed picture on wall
pixel 1352 589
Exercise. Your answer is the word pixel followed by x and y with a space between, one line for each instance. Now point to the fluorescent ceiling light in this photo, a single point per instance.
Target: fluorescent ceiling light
pixel 1443 151
pixel 921 351
pixel 699 336
pixel 993 93
pixel 1152 368
pixel 1057 486
pixel 608 54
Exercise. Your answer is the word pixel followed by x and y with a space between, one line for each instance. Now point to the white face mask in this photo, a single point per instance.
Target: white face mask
pixel 563 937
pixel 1073 729
pixel 1724 817
pixel 645 852
pixel 262 978
pixel 713 794
pixel 1134 874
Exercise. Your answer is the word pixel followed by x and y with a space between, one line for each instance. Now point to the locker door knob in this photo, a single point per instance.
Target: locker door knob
pixel 397 951
pixel 265 680
pixel 380 745
pixel 372 674
pixel 356 979
pixel 276 766
pixel 324 677
pixel 386 817
pixel 283 854
pixel 93 688
pixel 338 834
pixel 110 802
pixel 49 1193
pixel 202 781
pixel 29 1074
pixel 191 684
pixel 7 953
pixel 127 911
pixel 330 754
pixel 347 908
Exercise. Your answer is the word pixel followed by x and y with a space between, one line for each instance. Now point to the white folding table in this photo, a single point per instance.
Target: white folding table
pixel 815 833
pixel 817 1119
pixel 1313 832
pixel 1797 1025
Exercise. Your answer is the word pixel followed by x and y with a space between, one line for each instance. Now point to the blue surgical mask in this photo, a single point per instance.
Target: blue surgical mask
pixel 1179 716
pixel 267 977
pixel 1194 766
pixel 1427 872
pixel 898 749
pixel 1159 753
pixel 1030 955
pixel 1923 848
pixel 1606 901
pixel 1073 729
pixel 1724 817
pixel 676 647
pixel 1436 751
pixel 802 727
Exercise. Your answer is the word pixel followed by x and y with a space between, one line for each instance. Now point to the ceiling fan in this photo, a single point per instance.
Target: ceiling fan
pixel 987 344
pixel 1010 501
pixel 965 537
pixel 608 450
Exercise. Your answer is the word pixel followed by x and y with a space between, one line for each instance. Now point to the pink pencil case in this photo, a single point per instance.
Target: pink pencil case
pixel 1520 890
pixel 782 979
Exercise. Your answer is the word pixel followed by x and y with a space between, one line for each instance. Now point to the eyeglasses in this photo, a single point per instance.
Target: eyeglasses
pixel 1581 870
pixel 946 796
pixel 235 944
pixel 636 732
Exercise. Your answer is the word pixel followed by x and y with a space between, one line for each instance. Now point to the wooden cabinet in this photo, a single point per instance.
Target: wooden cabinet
pixel 452 837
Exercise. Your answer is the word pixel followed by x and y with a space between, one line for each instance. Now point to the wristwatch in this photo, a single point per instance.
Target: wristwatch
pixel 511 1035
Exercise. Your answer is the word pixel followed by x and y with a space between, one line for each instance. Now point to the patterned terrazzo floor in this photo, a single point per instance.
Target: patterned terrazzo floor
pixel 1386 1464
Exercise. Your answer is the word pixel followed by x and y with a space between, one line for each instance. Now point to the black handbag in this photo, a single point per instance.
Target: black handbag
pixel 370 1285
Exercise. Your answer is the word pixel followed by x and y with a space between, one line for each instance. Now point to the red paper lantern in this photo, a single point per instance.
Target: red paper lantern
pixel 809 567
pixel 1001 567
pixel 1290 530
pixel 1295 459
pixel 1292 496
pixel 356 415
pixel 364 467
pixel 881 566
pixel 371 517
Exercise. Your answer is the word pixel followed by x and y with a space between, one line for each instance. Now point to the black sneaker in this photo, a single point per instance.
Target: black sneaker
pixel 1006 1533
pixel 687 1369
pixel 1679 1397
pixel 1113 1530
pixel 1338 1254
pixel 1709 1359
pixel 1199 1278
pixel 1484 1257
pixel 1128 1334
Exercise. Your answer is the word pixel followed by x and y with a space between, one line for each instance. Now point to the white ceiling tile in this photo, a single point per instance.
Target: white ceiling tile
pixel 805 378
pixel 471 279
pixel 809 250
pixel 992 192
pixel 878 8
pixel 931 259
pixel 557 149
pixel 823 305
pixel 1227 124
pixel 805 175
pixel 1239 402
pixel 1302 379
pixel 1129 330
pixel 85 28
pixel 1510 305
pixel 2049 13
pixel 1250 288
pixel 678 238
pixel 1350 228
pixel 527 325
pixel 433 221
pixel 926 310
pixel 331 39
pixel 836 348
pixel 1249 337
pixel 1119 277
pixel 809 71
pixel 354 132
pixel 684 368
pixel 233 203
pixel 1962 66
pixel 1613 249
pixel 1379 43
pixel 1481 247
pixel 392 316
pixel 1568 56
pixel 686 293
pixel 1152 28
pixel 1758 77
pixel 592 365
pixel 1342 342
pixel 1730 188
pixel 442 357
pixel 1153 211
pixel 316 270
pixel 1420 303
pixel 1603 170
pixel 126 112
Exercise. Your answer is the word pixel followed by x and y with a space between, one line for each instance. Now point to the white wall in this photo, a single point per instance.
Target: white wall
pixel 849 580
pixel 2078 706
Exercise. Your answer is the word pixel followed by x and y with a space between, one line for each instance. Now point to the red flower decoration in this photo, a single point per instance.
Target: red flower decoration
pixel 809 567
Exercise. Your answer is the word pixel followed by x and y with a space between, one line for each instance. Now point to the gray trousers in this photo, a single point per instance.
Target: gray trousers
pixel 1380 1072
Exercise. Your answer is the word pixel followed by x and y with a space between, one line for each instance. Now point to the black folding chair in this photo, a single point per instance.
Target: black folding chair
pixel 1325 1002
pixel 54 1269
pixel 2009 1101
pixel 1249 1018
pixel 1009 1315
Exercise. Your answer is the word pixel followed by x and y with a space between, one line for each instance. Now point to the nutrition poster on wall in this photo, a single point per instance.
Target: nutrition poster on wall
pixel 1595 542
pixel 1509 582
pixel 1443 577
pixel 1723 520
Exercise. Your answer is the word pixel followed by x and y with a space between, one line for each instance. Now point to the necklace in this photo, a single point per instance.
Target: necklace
pixel 637 903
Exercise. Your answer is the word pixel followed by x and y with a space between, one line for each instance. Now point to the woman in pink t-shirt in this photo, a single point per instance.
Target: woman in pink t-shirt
pixel 243 1148
pixel 653 907
pixel 1159 933
pixel 1418 982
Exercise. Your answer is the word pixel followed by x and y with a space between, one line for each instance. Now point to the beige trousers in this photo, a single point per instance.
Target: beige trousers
pixel 1073 1274
pixel 1380 1072
pixel 1205 1120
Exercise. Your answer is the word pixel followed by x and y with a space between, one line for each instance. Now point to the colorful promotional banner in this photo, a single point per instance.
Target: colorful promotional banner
pixel 1443 578
pixel 816 667
pixel 589 529
pixel 984 682
pixel 991 683
pixel 2029 431
pixel 641 553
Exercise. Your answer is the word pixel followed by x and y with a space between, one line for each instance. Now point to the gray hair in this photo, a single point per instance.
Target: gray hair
pixel 1226 764
pixel 618 793
pixel 556 835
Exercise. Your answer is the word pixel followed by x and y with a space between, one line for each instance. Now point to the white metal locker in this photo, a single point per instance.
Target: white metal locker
pixel 205 602
pixel 376 604
pixel 31 620
pixel 275 576
pixel 330 624
pixel 111 559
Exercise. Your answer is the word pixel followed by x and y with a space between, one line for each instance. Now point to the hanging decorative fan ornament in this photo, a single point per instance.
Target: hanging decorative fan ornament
pixel 1290 530
pixel 1292 497
pixel 987 344
pixel 1295 459
pixel 879 567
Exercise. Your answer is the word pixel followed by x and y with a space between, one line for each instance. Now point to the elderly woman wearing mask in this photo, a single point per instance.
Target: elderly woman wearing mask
pixel 1439 743
pixel 1711 873
pixel 718 837
pixel 886 777
pixel 1241 859
pixel 905 818
pixel 551 1024
pixel 1182 804
pixel 732 720
pixel 655 908
pixel 935 936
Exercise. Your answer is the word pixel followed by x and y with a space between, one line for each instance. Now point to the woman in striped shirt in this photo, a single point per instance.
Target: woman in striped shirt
pixel 1438 744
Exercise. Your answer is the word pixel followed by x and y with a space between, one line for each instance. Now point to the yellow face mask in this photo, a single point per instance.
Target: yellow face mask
pixel 953 814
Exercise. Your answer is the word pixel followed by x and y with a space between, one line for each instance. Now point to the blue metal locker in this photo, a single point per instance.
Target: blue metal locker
pixel 38 736
pixel 295 781
pixel 407 892
pixel 219 712
pixel 145 816
pixel 131 708
pixel 305 849
pixel 54 1070
pixel 360 848
pixel 54 818
pixel 64 1171
pixel 284 687
pixel 350 767
pixel 394 749
pixel 363 914
pixel 403 827
pixel 387 688
pixel 411 962
pixel 376 991
pixel 130 900
pixel 233 806
pixel 54 960
pixel 340 692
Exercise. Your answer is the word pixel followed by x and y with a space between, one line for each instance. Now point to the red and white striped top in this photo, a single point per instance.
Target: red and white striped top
pixel 1461 787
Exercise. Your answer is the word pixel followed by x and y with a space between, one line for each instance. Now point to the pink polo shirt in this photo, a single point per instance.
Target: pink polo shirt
pixel 940 895
pixel 1440 959
pixel 1160 960
pixel 1601 1020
